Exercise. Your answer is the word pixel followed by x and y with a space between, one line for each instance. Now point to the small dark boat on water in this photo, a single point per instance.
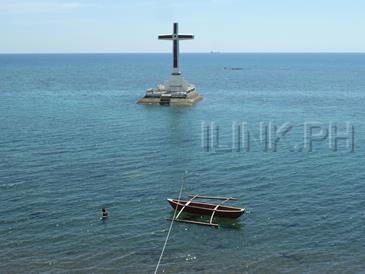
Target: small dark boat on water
pixel 207 209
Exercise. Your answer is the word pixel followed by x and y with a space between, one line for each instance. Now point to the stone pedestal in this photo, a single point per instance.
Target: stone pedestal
pixel 175 91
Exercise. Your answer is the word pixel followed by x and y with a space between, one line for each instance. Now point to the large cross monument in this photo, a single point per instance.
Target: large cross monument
pixel 175 91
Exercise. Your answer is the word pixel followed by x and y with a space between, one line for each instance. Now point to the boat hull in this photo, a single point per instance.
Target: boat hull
pixel 207 209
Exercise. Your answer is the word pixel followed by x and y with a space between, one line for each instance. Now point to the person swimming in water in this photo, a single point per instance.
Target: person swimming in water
pixel 104 213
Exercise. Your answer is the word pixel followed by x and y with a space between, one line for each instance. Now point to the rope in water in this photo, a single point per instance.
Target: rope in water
pixel 168 233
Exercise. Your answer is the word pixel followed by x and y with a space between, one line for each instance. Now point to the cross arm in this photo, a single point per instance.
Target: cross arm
pixel 165 37
pixel 185 36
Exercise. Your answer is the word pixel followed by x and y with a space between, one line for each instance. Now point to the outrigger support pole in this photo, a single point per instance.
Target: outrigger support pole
pixel 193 222
pixel 216 207
pixel 187 203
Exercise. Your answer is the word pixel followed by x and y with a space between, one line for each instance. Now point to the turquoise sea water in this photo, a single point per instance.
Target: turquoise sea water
pixel 73 140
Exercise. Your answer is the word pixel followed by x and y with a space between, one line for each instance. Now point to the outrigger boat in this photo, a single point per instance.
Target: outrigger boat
pixel 201 208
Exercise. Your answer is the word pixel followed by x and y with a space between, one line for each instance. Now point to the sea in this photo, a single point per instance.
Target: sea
pixel 284 133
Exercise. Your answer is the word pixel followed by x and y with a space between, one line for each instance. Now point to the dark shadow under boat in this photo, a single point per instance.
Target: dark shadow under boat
pixel 226 223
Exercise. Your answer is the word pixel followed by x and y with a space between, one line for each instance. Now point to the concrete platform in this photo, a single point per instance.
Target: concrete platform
pixel 190 100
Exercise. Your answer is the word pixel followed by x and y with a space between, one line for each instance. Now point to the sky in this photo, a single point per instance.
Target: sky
pixel 76 26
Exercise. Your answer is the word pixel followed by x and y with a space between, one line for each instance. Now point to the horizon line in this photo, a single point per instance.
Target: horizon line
pixel 189 52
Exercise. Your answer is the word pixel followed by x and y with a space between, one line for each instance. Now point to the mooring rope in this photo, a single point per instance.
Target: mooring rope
pixel 168 233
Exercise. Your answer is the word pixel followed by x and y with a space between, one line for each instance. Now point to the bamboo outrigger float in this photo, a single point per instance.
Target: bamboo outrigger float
pixel 207 209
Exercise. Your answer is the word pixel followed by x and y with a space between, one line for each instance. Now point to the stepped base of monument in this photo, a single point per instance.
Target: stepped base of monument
pixel 163 99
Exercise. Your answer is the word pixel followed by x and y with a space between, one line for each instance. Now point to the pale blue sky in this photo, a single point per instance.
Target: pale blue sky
pixel 218 25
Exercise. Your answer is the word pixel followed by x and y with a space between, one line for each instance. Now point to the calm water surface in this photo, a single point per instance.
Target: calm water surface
pixel 73 140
